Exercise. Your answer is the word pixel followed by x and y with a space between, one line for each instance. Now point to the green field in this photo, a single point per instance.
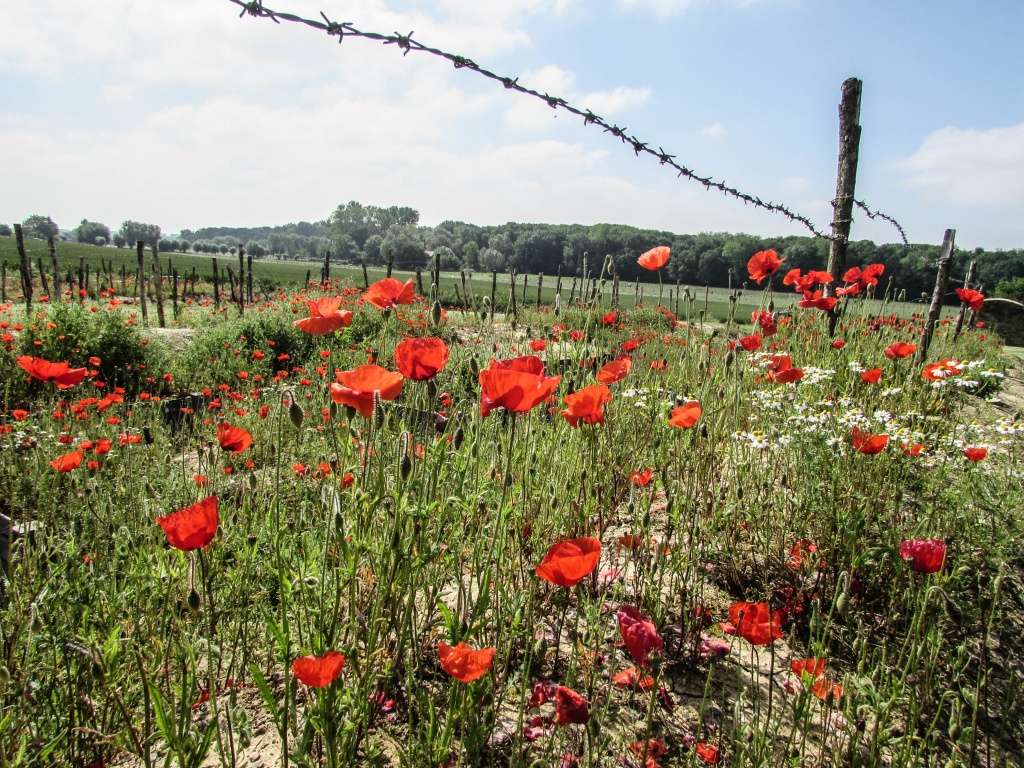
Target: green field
pixel 268 274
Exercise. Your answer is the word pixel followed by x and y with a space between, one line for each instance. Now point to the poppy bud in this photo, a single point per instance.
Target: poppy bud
pixel 952 610
pixel 553 501
pixel 739 493
pixel 295 413
pixel 730 357
pixel 435 312
pixel 5 678
pixel 704 430
pixel 193 600
pixel 147 435
pixel 35 624
pixel 405 467
pixel 458 438
pixel 250 539
pixel 473 366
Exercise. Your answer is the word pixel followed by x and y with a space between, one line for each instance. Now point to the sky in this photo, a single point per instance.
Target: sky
pixel 185 115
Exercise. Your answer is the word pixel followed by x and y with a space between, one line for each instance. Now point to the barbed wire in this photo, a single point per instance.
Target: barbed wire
pixel 884 216
pixel 408 44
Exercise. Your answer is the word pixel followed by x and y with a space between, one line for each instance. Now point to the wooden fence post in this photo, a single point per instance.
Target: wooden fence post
pixel 366 278
pixel 42 276
pixel 52 246
pixel 26 268
pixel 124 281
pixel 140 280
pixel 526 280
pixel 494 294
pixel 327 267
pixel 241 280
pixel 248 275
pixel 419 281
pixel 391 264
pixel 3 282
pixel 174 292
pixel 540 286
pixel 846 180
pixel 972 270
pixel 945 257
pixel 216 284
pixel 158 289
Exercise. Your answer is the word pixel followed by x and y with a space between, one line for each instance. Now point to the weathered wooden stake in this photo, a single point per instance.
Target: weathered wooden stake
pixel 52 247
pixel 3 282
pixel 248 275
pixel 327 267
pixel 366 278
pixel 174 292
pixel 241 281
pixel 42 277
pixel 216 285
pixel 540 286
pixel 846 181
pixel 140 280
pixel 158 287
pixel 391 264
pixel 494 294
pixel 972 270
pixel 419 281
pixel 945 258
pixel 26 268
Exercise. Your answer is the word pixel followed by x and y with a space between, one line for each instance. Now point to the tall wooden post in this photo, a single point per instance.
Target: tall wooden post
pixel 26 268
pixel 52 246
pixel 494 293
pixel 512 295
pixel 124 280
pixel 42 277
pixel 327 267
pixel 174 292
pixel 540 286
pixel 968 281
pixel 391 264
pixel 158 287
pixel 140 280
pixel 366 278
pixel 216 285
pixel 3 282
pixel 846 176
pixel 419 281
pixel 945 258
pixel 241 280
pixel 248 275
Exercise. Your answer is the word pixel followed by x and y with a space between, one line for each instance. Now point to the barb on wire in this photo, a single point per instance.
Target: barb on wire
pixel 407 43
pixel 884 216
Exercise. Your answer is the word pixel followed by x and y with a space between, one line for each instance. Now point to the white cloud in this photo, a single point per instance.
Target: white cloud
pixel 666 8
pixel 531 114
pixel 713 131
pixel 970 166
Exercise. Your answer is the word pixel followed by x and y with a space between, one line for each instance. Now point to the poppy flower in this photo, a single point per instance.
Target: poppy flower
pixel 616 370
pixel 798 554
pixel 912 449
pixel 67 462
pixel 654 259
pixel 940 370
pixel 641 479
pixel 804 283
pixel 192 527
pixel 319 671
pixel 708 753
pixel 751 342
pixel 421 359
pixel 538 345
pixel 356 388
pixel 871 376
pixel 569 561
pixel 763 264
pixel 755 622
pixel 639 634
pixel 610 318
pixel 838 344
pixel 517 385
pixel 900 349
pixel 631 678
pixel 782 371
pixel 61 374
pixel 813 667
pixel 825 690
pixel 650 750
pixel 972 298
pixel 975 453
pixel 817 300
pixel 389 292
pixel 570 707
pixel 924 555
pixel 463 663
pixel 858 279
pixel 324 317
pixel 685 415
pixel 866 443
pixel 587 405
pixel 765 321
pixel 233 439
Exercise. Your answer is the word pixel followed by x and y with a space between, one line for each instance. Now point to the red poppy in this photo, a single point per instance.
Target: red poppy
pixel 763 264
pixel 463 663
pixel 871 376
pixel 708 753
pixel 631 678
pixel 798 553
pixel 686 415
pixel 752 342
pixel 587 405
pixel 900 349
pixel 975 453
pixel 654 259
pixel 19 414
pixel 570 707
pixel 924 555
pixel 781 370
pixel 813 667
pixel 192 527
pixel 319 671
pixel 68 461
pixel 817 300
pixel 538 345
pixel 610 318
pixel 569 561
pixel 755 622
pixel 838 344
pixel 389 292
pixel 517 385
pixel 639 634
pixel 61 374
pixel 804 283
pixel 865 442
pixel 825 690
pixel 857 279
pixel 356 388
pixel 972 298
pixel 421 359
pixel 641 479
pixel 233 439
pixel 940 371
pixel 912 449
pixel 765 321
pixel 324 317
pixel 616 370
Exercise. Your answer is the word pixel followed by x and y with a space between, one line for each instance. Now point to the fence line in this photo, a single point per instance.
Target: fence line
pixel 407 44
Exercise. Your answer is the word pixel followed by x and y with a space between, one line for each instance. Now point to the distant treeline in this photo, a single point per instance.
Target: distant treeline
pixel 374 235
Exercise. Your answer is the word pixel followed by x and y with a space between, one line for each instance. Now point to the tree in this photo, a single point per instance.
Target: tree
pixel 133 231
pixel 40 227
pixel 403 246
pixel 471 254
pixel 446 258
pixel 88 231
pixel 5 230
pixel 492 260
pixel 344 249
pixel 371 249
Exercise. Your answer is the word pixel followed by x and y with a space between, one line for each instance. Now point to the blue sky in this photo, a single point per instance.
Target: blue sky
pixel 182 114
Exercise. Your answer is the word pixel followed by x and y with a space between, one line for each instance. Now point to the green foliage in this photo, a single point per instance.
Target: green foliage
pixel 91 232
pixel 1011 289
pixel 40 226
pixel 70 332
pixel 133 231
pixel 5 230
